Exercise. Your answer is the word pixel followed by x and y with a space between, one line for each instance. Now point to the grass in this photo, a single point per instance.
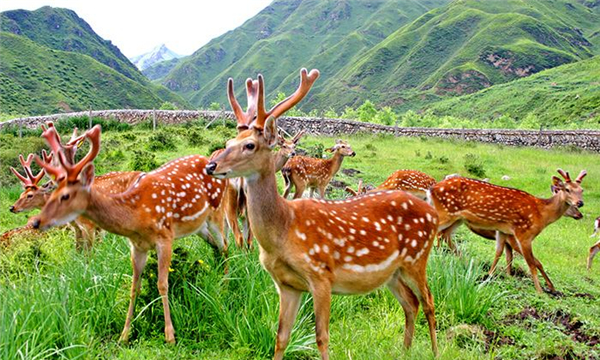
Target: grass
pixel 58 303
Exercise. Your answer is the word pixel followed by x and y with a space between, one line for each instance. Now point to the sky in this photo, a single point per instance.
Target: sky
pixel 136 26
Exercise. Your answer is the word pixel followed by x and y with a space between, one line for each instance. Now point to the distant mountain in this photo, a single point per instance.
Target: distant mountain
pixel 80 69
pixel 558 96
pixel 401 53
pixel 158 54
pixel 159 70
pixel 288 35
pixel 464 47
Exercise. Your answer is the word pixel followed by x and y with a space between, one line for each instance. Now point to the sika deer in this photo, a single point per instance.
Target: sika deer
pixel 350 246
pixel 507 211
pixel 412 181
pixel 170 202
pixel 596 247
pixel 303 171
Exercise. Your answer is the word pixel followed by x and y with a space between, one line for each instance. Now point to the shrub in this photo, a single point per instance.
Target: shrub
pixel 168 106
pixel 315 151
pixel 161 140
pixel 195 138
pixel 474 166
pixel 214 146
pixel 143 161
pixel 443 159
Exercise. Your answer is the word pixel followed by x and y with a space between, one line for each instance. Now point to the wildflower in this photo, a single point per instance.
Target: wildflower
pixel 171 269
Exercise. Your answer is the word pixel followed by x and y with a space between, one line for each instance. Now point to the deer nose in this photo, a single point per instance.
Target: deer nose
pixel 353 154
pixel 580 203
pixel 211 167
pixel 12 209
pixel 36 224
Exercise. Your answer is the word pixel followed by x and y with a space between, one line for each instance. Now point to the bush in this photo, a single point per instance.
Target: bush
pixel 315 151
pixel 161 140
pixel 143 161
pixel 168 106
pixel 474 166
pixel 195 138
pixel 214 146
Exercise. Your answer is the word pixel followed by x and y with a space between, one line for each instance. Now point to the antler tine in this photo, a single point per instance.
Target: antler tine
pixel 34 180
pixel 564 174
pixel 298 136
pixel 93 135
pixel 261 113
pixel 580 177
pixel 360 186
pixel 55 172
pixel 235 105
pixel 24 180
pixel 52 138
pixel 350 191
pixel 76 140
pixel 306 82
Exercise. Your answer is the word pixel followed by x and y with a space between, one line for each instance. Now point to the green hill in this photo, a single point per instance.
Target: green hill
pixel 559 96
pixel 288 35
pixel 37 80
pixel 464 47
pixel 160 69
pixel 58 34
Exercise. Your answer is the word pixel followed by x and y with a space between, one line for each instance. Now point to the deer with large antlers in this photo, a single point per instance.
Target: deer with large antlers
pixel 236 198
pixel 303 172
pixel 510 212
pixel 170 202
pixel 414 182
pixel 350 246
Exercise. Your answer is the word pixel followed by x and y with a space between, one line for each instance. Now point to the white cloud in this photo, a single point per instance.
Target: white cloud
pixel 138 26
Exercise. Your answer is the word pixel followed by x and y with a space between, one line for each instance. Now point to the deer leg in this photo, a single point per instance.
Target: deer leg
pixel 538 264
pixel 289 303
pixel 321 292
pixel 299 191
pixel 231 212
pixel 446 235
pixel 531 262
pixel 311 192
pixel 593 251
pixel 508 251
pixel 79 242
pixel 288 186
pixel 417 281
pixel 322 192
pixel 500 242
pixel 410 304
pixel 138 262
pixel 163 251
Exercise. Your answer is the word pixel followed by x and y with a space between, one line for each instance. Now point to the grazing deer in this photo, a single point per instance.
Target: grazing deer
pixel 510 212
pixel 412 181
pixel 596 247
pixel 303 171
pixel 350 246
pixel 170 202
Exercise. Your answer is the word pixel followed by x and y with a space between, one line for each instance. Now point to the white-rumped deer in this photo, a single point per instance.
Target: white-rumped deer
pixel 596 247
pixel 414 182
pixel 507 211
pixel 350 246
pixel 170 202
pixel 304 172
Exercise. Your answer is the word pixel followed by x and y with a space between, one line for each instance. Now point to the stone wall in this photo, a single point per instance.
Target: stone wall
pixel 585 139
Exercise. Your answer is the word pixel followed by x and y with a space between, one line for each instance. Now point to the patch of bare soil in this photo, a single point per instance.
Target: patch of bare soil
pixel 351 172
pixel 567 323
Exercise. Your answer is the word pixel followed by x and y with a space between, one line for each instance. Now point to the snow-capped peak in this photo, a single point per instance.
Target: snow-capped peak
pixel 156 55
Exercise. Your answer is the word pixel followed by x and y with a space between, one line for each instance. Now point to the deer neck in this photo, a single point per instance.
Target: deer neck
pixel 335 163
pixel 269 213
pixel 279 160
pixel 553 208
pixel 114 213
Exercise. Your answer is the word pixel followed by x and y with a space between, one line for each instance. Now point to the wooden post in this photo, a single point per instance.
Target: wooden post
pixel 153 119
pixel 20 128
pixel 90 117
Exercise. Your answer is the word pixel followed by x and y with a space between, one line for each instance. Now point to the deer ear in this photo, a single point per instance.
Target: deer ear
pixel 270 132
pixel 87 175
pixel 329 150
pixel 557 184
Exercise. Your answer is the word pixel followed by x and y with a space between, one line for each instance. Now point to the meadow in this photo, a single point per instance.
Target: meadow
pixel 56 302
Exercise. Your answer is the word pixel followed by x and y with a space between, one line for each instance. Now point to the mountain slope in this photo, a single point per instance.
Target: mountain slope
pixel 158 54
pixel 288 35
pixel 462 48
pixel 37 80
pixel 557 96
pixel 63 31
pixel 159 70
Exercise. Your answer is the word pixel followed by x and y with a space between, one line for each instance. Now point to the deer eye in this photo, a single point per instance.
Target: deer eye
pixel 567 190
pixel 64 197
pixel 249 146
